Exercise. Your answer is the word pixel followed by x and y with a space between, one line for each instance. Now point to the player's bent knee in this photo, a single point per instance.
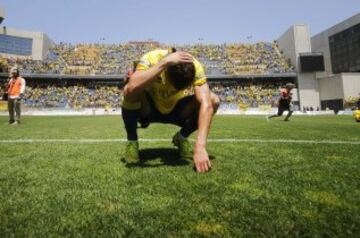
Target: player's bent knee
pixel 215 102
pixel 131 103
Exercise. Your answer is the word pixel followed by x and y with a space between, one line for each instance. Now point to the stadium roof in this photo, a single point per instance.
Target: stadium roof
pixel 2 14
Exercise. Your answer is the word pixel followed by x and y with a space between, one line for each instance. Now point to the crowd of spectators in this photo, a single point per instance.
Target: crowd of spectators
pixel 250 94
pixel 104 59
pixel 260 58
pixel 244 94
pixel 253 94
pixel 116 59
pixel 71 97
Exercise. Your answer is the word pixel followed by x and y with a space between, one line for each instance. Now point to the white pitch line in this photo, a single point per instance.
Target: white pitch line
pixel 154 140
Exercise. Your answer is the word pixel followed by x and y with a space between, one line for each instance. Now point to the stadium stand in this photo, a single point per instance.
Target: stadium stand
pixel 100 59
pixel 75 97
pixel 116 59
pixel 247 94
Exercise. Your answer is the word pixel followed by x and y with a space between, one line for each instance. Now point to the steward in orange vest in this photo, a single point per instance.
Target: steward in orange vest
pixel 15 90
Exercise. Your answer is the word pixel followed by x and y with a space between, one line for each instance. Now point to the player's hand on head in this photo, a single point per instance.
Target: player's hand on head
pixel 178 57
pixel 201 160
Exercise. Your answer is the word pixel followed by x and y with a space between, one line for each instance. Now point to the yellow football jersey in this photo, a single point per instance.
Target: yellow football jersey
pixel 165 95
pixel 357 115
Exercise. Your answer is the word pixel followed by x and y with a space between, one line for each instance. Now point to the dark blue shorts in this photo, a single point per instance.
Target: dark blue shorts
pixel 174 117
pixel 283 106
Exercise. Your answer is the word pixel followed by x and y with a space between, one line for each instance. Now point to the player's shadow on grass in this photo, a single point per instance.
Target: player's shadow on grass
pixel 167 157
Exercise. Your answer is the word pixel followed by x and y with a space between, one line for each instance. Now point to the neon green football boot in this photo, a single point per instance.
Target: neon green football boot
pixel 183 146
pixel 132 152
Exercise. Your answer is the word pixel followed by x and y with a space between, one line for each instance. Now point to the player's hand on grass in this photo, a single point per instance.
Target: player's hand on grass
pixel 201 160
pixel 177 58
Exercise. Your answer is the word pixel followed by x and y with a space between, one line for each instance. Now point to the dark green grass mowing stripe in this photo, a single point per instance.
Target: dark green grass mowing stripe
pixel 254 189
pixel 107 127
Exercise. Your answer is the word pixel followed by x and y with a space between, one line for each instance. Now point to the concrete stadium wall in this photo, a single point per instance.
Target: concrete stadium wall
pixel 331 88
pixel 294 41
pixel 286 44
pixel 47 43
pixel 335 89
pixel 339 86
pixel 308 90
pixel 351 84
pixel 322 86
pixel 320 42
pixel 2 14
pixel 41 42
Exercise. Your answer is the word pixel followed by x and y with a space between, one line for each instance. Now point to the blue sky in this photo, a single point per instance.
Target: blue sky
pixel 182 21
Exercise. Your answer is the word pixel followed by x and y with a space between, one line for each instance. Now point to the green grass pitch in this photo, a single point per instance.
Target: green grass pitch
pixel 269 189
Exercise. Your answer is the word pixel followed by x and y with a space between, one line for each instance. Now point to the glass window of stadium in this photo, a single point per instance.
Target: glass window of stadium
pixel 15 45
pixel 345 50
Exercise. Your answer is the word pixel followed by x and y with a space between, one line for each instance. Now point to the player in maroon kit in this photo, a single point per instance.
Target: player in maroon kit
pixel 284 103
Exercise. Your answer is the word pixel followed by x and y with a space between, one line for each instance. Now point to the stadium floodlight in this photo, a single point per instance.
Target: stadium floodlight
pixel 2 14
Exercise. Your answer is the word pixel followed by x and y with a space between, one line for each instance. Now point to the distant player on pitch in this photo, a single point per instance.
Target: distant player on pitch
pixel 155 93
pixel 357 110
pixel 284 103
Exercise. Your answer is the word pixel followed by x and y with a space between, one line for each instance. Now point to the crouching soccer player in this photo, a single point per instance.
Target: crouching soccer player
pixel 357 111
pixel 155 93
pixel 284 103
pixel 357 115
